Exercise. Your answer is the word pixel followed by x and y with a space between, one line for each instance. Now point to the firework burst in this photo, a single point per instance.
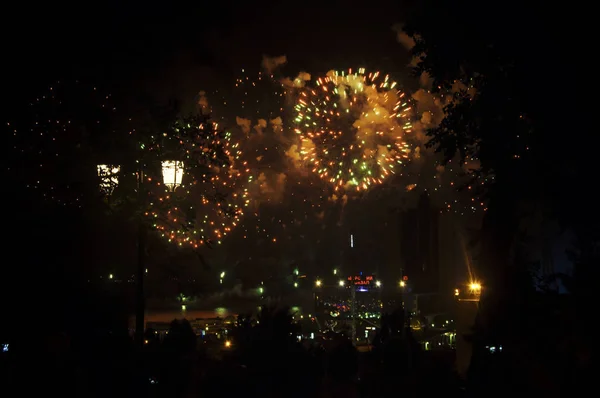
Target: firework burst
pixel 206 209
pixel 352 128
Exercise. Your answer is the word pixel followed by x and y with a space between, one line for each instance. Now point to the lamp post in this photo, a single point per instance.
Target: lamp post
pixel 172 172
pixel 466 312
pixel 380 297
pixel 140 299
pixel 109 177
pixel 353 312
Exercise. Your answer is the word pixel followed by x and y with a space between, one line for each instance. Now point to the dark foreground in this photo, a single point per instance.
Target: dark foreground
pixel 259 357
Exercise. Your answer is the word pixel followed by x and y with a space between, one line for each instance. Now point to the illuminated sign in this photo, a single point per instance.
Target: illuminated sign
pixel 361 280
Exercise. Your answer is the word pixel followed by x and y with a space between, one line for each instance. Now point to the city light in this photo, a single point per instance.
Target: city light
pixel 475 287
pixel 335 271
pixel 228 344
pixel 402 284
pixel 295 284
pixel 318 283
pixel 342 283
pixel 378 283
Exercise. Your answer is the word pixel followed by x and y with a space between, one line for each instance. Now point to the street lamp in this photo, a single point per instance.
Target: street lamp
pixel 474 292
pixel 172 171
pixel 402 284
pixel 109 177
pixel 378 283
pixel 318 283
pixel 342 283
pixel 475 287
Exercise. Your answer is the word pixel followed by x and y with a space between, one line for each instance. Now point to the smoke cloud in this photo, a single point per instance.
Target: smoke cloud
pixel 262 124
pixel 403 38
pixel 269 187
pixel 203 103
pixel 269 64
pixel 343 199
pixel 277 124
pixel 305 145
pixel 298 82
pixel 244 124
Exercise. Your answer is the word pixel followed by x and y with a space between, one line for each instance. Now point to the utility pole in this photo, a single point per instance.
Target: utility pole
pixel 140 304
pixel 353 296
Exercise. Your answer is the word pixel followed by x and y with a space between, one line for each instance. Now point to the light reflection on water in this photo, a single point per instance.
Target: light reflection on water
pixel 157 314
pixel 189 314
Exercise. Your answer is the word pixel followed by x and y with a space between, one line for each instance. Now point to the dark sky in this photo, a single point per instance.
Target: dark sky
pixel 171 51
pixel 138 41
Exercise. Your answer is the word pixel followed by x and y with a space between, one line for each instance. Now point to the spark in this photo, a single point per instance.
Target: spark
pixel 352 128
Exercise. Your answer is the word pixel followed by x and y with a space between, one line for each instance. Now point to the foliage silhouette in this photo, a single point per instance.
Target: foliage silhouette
pixel 269 349
pixel 505 117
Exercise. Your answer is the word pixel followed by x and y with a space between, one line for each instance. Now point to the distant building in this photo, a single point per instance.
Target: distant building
pixel 353 301
pixel 420 246
pixel 336 301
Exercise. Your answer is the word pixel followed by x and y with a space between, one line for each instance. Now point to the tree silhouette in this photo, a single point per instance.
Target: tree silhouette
pixel 505 116
pixel 396 349
pixel 505 123
pixel 178 357
pixel 270 351
pixel 508 121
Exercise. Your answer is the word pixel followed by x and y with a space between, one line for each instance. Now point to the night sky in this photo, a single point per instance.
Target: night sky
pixel 142 42
pixel 168 52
